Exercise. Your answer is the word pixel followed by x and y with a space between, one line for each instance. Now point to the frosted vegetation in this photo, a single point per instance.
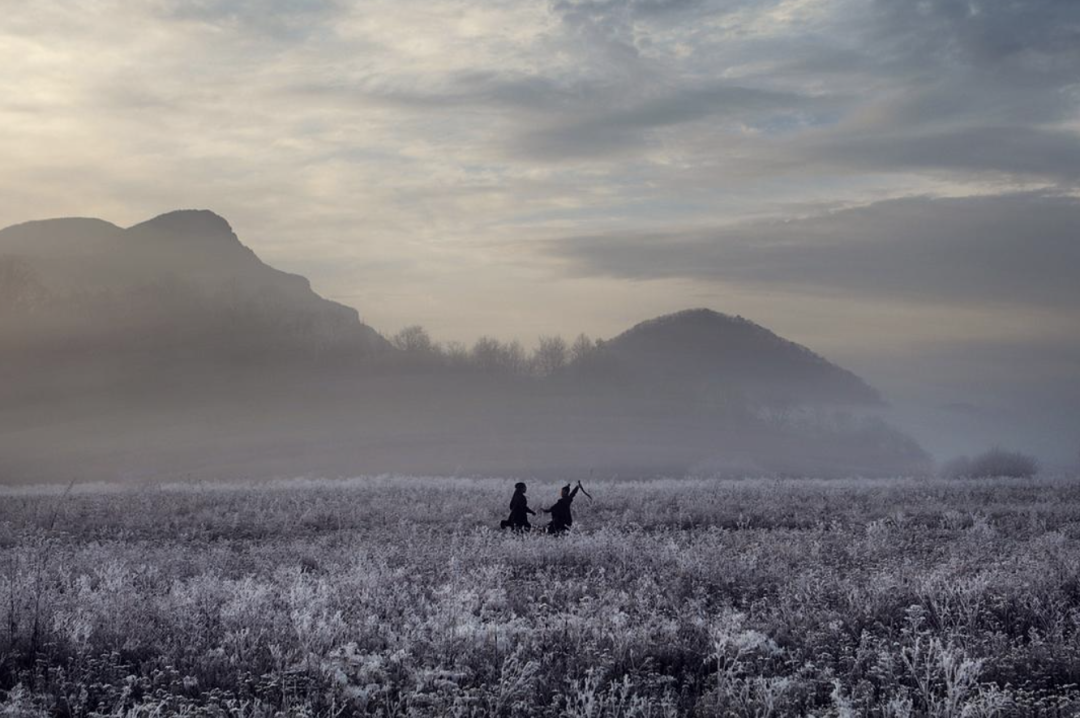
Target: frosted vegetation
pixel 396 596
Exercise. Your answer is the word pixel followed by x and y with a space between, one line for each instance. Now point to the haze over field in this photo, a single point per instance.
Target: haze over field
pixel 893 185
pixel 169 349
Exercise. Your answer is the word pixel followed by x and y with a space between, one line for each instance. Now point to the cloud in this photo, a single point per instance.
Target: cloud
pixel 289 20
pixel 1051 154
pixel 993 250
pixel 489 89
pixel 1035 41
pixel 620 128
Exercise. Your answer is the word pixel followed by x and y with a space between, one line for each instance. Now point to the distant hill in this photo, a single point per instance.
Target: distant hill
pixel 180 283
pixel 708 353
pixel 168 349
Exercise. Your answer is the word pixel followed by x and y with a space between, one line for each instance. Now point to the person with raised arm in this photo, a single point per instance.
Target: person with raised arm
pixel 561 518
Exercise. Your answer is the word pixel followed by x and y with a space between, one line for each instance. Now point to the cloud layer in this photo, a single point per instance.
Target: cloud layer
pixel 998 250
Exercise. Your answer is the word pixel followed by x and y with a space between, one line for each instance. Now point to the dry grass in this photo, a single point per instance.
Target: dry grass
pixel 394 596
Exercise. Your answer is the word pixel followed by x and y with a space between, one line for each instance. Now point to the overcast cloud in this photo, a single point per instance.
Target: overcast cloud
pixel 859 175
pixel 980 251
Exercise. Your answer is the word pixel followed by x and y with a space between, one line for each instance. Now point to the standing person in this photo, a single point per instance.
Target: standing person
pixel 519 510
pixel 561 518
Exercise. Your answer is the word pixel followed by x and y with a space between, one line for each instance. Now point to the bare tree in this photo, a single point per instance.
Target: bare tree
pixel 456 354
pixel 491 355
pixel 550 356
pixel 581 349
pixel 513 358
pixel 413 339
pixel 486 354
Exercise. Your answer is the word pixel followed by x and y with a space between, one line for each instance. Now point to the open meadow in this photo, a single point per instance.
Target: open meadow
pixel 400 596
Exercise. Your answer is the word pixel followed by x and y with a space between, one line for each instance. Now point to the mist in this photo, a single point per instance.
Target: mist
pixel 169 350
pixel 894 188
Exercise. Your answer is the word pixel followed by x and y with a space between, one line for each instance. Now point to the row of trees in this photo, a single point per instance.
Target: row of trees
pixel 552 354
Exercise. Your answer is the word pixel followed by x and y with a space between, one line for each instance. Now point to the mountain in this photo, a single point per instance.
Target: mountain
pixel 169 349
pixel 180 284
pixel 710 354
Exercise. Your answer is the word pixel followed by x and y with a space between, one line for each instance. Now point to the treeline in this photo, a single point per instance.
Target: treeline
pixel 553 355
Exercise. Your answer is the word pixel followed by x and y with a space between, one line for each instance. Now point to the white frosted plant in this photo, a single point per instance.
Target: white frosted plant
pixel 946 679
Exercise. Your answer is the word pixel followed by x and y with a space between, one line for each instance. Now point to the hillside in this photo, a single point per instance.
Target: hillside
pixel 709 353
pixel 181 284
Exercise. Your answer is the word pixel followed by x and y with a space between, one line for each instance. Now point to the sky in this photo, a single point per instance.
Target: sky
pixel 893 184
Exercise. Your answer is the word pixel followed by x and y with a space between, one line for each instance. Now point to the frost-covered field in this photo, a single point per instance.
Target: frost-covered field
pixel 395 596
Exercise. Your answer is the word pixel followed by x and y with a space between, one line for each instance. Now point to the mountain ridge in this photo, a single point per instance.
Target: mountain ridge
pixel 187 221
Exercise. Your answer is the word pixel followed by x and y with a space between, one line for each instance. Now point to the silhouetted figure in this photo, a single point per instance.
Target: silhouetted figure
pixel 561 518
pixel 519 510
